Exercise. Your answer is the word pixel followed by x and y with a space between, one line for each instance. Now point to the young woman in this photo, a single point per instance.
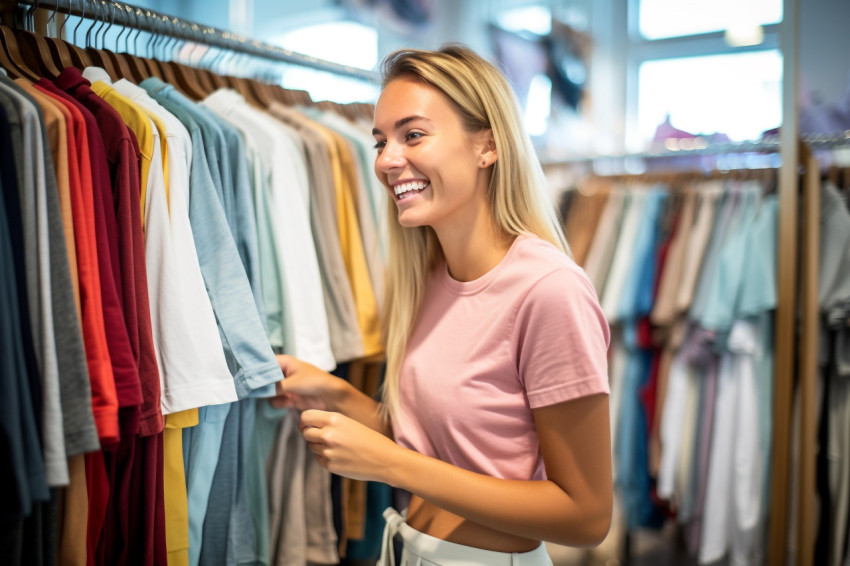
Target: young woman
pixel 495 404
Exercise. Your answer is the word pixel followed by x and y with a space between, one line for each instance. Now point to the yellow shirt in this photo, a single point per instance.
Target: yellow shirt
pixel 351 243
pixel 174 486
pixel 135 119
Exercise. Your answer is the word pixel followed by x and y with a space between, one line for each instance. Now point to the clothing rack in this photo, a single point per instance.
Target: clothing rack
pixel 795 356
pixel 143 19
pixel 796 353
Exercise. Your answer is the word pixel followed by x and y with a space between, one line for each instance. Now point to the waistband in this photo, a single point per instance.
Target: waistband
pixel 449 553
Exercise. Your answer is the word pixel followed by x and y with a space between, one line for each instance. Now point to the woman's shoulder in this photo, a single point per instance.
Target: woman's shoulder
pixel 535 258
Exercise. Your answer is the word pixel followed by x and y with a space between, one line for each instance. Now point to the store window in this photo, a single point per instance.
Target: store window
pixel 660 19
pixel 361 51
pixel 703 68
pixel 736 95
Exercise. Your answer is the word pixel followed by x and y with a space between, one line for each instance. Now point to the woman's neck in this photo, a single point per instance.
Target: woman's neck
pixel 474 248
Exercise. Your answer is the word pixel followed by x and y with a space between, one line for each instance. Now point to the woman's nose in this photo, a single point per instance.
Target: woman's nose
pixel 391 156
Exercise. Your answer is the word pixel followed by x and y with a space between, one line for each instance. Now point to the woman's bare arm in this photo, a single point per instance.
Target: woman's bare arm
pixel 572 507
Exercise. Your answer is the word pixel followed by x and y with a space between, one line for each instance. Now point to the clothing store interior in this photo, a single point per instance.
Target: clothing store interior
pixel 678 139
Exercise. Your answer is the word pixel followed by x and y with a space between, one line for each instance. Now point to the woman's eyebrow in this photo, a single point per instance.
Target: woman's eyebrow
pixel 400 122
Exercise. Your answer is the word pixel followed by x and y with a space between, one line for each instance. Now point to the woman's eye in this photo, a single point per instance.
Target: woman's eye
pixel 413 135
pixel 379 145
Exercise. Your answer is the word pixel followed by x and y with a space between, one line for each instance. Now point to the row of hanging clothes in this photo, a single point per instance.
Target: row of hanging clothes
pixel 166 231
pixel 685 266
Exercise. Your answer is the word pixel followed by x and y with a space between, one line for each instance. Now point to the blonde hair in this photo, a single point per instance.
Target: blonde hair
pixel 517 190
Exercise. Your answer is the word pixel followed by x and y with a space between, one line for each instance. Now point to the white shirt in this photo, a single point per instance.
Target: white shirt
pixel 193 369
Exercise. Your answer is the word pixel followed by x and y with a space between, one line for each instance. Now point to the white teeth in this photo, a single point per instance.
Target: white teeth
pixel 411 186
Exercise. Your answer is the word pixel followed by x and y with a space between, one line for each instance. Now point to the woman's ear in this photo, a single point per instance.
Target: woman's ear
pixel 486 145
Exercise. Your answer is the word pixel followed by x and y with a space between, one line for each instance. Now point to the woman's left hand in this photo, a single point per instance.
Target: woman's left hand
pixel 347 448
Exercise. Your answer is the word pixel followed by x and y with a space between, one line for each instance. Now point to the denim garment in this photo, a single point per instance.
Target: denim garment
pixel 201 450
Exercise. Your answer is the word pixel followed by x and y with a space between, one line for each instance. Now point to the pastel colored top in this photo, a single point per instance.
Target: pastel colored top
pixel 529 333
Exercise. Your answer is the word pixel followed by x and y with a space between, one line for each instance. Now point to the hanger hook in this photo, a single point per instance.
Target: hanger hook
pixel 111 21
pixel 112 7
pixel 181 42
pixel 197 43
pixel 64 21
pixel 52 15
pixel 29 19
pixel 160 35
pixel 169 37
pixel 136 14
pixel 152 33
pixel 166 37
pixel 100 32
pixel 95 21
pixel 129 11
pixel 82 17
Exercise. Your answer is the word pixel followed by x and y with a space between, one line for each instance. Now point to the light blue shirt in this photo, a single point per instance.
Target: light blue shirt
pixel 724 288
pixel 247 349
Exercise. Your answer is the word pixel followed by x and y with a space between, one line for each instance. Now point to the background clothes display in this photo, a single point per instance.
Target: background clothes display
pixel 686 271
pixel 159 251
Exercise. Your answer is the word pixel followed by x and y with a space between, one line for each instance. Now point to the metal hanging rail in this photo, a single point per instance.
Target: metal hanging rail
pixel 677 151
pixel 135 17
pixel 698 147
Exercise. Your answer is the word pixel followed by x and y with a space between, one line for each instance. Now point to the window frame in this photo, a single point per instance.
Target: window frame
pixel 640 49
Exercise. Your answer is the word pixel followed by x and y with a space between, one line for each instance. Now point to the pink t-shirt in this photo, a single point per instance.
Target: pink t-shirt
pixel 484 353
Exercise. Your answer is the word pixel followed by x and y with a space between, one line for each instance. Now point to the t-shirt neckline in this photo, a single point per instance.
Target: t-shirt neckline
pixel 479 284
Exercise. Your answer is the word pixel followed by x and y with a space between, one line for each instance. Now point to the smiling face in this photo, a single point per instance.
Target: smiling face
pixel 436 171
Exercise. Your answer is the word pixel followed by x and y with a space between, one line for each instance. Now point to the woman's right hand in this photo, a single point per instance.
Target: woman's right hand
pixel 306 387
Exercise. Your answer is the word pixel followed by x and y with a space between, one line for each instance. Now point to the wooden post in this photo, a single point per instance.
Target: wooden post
pixel 808 361
pixel 786 289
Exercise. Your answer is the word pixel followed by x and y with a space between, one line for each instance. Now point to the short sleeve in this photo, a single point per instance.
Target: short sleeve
pixel 561 340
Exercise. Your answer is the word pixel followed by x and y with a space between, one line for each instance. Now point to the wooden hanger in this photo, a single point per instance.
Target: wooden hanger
pixel 34 45
pixel 137 68
pixel 79 58
pixel 13 60
pixel 188 80
pixel 181 77
pixel 208 80
pixel 260 93
pixel 185 79
pixel 59 50
pixel 150 65
pixel 217 77
pixel 98 57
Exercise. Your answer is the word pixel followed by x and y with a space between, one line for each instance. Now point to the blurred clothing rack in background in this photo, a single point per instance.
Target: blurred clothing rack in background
pixel 699 154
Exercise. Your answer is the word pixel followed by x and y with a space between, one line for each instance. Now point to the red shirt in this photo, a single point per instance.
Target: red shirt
pixel 104 395
pixel 109 141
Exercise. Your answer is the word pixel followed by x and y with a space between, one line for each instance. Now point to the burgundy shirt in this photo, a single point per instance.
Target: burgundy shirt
pixel 118 179
pixel 93 293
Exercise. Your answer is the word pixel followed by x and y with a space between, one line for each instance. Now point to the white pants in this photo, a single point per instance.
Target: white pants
pixel 424 550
